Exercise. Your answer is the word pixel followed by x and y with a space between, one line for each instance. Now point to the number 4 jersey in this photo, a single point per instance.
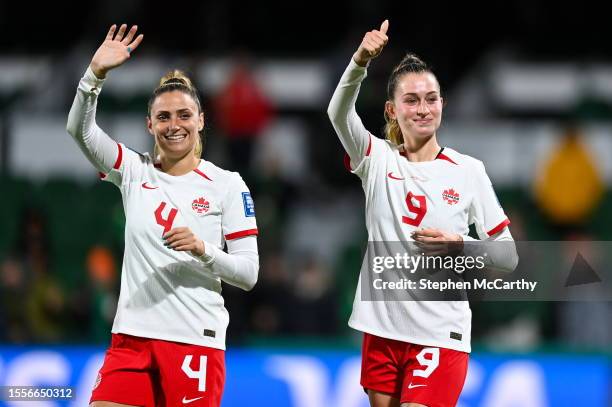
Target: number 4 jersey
pixel 166 294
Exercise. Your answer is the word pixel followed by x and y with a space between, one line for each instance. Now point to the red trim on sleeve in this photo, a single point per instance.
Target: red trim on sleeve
pixel 201 174
pixel 119 157
pixel 442 156
pixel 102 175
pixel 347 159
pixel 498 228
pixel 242 233
pixel 347 162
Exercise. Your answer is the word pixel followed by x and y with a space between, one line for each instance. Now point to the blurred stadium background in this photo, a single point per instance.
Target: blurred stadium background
pixel 528 88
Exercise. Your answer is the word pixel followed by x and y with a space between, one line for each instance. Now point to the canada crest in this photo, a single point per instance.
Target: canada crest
pixel 200 205
pixel 450 196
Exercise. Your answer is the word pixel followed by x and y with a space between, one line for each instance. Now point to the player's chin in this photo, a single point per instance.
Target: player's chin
pixel 172 152
pixel 176 149
pixel 423 133
pixel 426 130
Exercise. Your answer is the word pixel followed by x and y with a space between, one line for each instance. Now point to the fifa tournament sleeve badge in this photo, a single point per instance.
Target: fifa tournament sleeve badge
pixel 249 205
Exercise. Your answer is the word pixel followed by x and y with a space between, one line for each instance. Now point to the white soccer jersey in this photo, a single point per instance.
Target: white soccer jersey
pixel 166 294
pixel 449 193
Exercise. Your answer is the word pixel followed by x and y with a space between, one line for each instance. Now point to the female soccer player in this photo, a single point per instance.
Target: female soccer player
pixel 414 352
pixel 168 337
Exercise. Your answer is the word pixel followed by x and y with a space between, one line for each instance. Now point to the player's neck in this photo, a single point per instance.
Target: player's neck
pixel 418 150
pixel 181 166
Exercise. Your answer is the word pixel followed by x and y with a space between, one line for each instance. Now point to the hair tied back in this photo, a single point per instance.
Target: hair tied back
pixel 176 77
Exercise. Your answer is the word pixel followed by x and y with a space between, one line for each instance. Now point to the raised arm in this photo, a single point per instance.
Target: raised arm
pixel 341 111
pixel 97 146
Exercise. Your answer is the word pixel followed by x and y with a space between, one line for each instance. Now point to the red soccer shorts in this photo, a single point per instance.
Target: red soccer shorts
pixel 155 373
pixel 413 373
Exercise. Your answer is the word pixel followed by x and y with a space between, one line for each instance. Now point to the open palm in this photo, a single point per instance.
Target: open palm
pixel 115 49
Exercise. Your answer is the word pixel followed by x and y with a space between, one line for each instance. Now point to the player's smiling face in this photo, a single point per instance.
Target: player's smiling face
pixel 175 123
pixel 417 104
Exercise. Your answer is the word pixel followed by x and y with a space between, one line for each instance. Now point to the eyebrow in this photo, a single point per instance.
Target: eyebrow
pixel 178 111
pixel 414 94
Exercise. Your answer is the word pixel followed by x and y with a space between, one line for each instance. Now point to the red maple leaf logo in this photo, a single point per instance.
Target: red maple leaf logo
pixel 450 196
pixel 200 205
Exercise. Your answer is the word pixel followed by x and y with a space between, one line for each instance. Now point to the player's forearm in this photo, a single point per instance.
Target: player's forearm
pixel 342 114
pixel 500 251
pixel 360 59
pixel 239 267
pixel 97 146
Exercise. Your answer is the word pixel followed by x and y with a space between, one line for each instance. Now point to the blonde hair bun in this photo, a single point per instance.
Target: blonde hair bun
pixel 175 76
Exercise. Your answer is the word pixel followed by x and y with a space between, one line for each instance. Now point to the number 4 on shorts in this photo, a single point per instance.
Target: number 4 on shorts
pixel 196 374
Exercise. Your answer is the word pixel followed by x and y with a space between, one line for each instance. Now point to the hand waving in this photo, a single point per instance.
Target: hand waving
pixel 115 50
pixel 372 44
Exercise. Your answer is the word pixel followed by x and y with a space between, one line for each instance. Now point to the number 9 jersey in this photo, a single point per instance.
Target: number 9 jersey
pixel 449 193
pixel 167 294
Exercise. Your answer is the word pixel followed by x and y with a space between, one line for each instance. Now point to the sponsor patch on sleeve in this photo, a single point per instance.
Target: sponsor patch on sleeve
pixel 249 205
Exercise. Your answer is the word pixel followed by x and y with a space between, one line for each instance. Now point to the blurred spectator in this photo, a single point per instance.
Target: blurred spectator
pixel 95 305
pixel 13 289
pixel 44 302
pixel 316 308
pixel 569 187
pixel 45 306
pixel 284 149
pixel 274 195
pixel 242 112
pixel 273 301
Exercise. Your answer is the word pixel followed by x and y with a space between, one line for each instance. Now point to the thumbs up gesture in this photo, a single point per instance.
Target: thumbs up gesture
pixel 372 44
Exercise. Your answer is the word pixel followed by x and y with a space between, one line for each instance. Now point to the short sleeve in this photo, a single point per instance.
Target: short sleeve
pixel 486 212
pixel 125 165
pixel 238 211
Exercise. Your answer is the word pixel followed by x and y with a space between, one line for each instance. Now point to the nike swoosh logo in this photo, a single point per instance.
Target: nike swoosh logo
pixel 390 175
pixel 412 386
pixel 187 401
pixel 145 186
